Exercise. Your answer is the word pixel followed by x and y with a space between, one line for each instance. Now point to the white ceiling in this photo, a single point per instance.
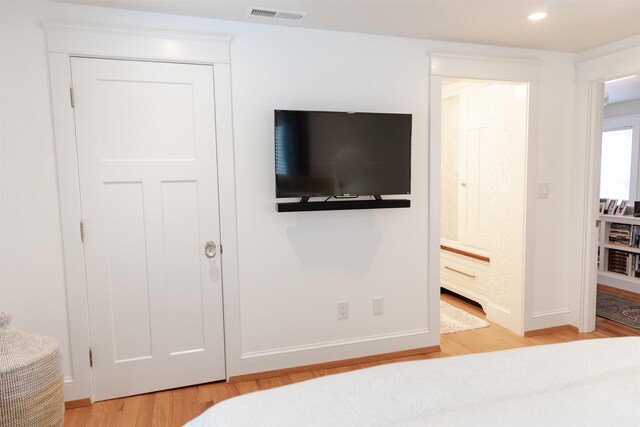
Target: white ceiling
pixel 571 25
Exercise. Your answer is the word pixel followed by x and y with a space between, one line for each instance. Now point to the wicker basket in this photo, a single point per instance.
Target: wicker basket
pixel 31 379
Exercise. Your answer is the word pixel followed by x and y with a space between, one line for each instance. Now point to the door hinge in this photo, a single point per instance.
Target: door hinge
pixel 220 247
pixel 81 231
pixel 90 358
pixel 72 97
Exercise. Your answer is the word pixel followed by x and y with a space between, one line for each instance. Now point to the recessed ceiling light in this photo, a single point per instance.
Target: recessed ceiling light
pixel 537 16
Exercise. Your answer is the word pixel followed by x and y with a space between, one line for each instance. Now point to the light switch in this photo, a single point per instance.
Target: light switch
pixel 543 190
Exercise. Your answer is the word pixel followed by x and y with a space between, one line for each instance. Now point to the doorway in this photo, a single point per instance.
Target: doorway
pixel 618 247
pixel 443 66
pixel 592 73
pixel 146 146
pixel 483 146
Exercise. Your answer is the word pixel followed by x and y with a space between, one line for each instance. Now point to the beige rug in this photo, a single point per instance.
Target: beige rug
pixel 452 319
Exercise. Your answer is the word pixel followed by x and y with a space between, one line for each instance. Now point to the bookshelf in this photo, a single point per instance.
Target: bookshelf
pixel 619 252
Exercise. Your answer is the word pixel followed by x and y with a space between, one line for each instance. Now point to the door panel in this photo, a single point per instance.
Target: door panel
pixel 127 281
pixel 148 180
pixel 161 129
pixel 184 284
pixel 475 159
pixel 472 188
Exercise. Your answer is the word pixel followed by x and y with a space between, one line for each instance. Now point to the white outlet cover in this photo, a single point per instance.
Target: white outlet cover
pixel 343 310
pixel 378 306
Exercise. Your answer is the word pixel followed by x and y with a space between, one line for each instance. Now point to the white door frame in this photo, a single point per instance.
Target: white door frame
pixel 592 74
pixel 485 68
pixel 66 41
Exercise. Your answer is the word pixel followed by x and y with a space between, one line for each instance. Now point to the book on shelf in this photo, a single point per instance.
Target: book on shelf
pixel 619 249
pixel 634 265
pixel 624 235
pixel 620 234
pixel 622 262
pixel 618 262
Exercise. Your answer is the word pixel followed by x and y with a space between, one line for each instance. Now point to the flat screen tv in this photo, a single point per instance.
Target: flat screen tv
pixel 320 153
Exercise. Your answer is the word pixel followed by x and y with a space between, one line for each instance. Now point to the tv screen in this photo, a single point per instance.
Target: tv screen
pixel 322 153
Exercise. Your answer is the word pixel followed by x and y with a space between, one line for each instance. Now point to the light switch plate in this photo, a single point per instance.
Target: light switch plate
pixel 543 190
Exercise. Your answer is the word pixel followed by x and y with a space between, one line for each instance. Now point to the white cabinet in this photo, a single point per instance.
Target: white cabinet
pixel 464 275
pixel 471 272
pixel 619 252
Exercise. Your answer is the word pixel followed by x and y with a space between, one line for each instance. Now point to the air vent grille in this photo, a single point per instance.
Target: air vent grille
pixel 264 12
pixel 277 14
pixel 293 16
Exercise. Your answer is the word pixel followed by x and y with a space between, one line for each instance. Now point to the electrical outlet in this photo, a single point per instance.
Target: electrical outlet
pixel 378 306
pixel 343 310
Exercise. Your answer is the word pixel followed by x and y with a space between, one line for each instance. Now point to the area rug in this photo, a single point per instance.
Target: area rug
pixel 452 319
pixel 618 309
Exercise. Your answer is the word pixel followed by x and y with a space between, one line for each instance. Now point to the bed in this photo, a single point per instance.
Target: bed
pixel 592 382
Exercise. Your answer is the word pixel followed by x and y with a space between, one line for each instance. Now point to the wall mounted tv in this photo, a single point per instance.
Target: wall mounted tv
pixel 320 153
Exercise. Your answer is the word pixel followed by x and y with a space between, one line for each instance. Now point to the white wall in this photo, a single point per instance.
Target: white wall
pixel 553 242
pixel 32 279
pixel 301 264
pixel 293 267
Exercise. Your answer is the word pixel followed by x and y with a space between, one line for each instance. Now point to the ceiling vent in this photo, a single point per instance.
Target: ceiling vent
pixel 278 14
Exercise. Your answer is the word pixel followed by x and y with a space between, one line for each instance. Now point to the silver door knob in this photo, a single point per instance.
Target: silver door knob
pixel 463 184
pixel 210 249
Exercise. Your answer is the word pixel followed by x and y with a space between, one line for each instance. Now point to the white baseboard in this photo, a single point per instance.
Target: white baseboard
pixel 548 313
pixel 316 346
pixel 548 319
pixel 309 354
pixel 73 390
pixel 498 314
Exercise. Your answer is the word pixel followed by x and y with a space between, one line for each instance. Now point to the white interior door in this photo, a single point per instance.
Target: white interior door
pixel 148 180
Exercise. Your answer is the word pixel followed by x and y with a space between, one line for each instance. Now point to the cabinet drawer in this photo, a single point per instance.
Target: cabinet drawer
pixel 464 272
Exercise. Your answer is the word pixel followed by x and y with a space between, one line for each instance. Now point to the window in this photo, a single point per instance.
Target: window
pixel 619 164
pixel 615 174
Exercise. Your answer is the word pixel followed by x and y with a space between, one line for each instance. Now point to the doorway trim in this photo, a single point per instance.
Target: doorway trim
pixel 66 41
pixel 592 74
pixel 485 68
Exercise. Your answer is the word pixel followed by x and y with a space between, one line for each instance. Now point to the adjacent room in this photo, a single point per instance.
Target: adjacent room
pixel 619 235
pixel 483 151
pixel 210 209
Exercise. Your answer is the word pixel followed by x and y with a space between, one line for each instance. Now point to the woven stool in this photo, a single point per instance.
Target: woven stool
pixel 31 379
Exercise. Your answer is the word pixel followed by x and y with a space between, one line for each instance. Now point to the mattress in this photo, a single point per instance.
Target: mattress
pixel 592 382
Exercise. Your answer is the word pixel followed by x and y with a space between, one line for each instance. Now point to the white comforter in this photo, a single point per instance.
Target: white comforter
pixel 583 383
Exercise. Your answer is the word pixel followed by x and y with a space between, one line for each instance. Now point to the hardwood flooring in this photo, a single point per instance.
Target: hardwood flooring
pixel 176 407
pixel 619 292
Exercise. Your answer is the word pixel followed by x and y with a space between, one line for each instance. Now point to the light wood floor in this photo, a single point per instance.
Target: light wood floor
pixel 175 407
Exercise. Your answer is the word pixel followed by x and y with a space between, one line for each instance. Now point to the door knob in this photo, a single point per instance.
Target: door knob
pixel 463 184
pixel 210 249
